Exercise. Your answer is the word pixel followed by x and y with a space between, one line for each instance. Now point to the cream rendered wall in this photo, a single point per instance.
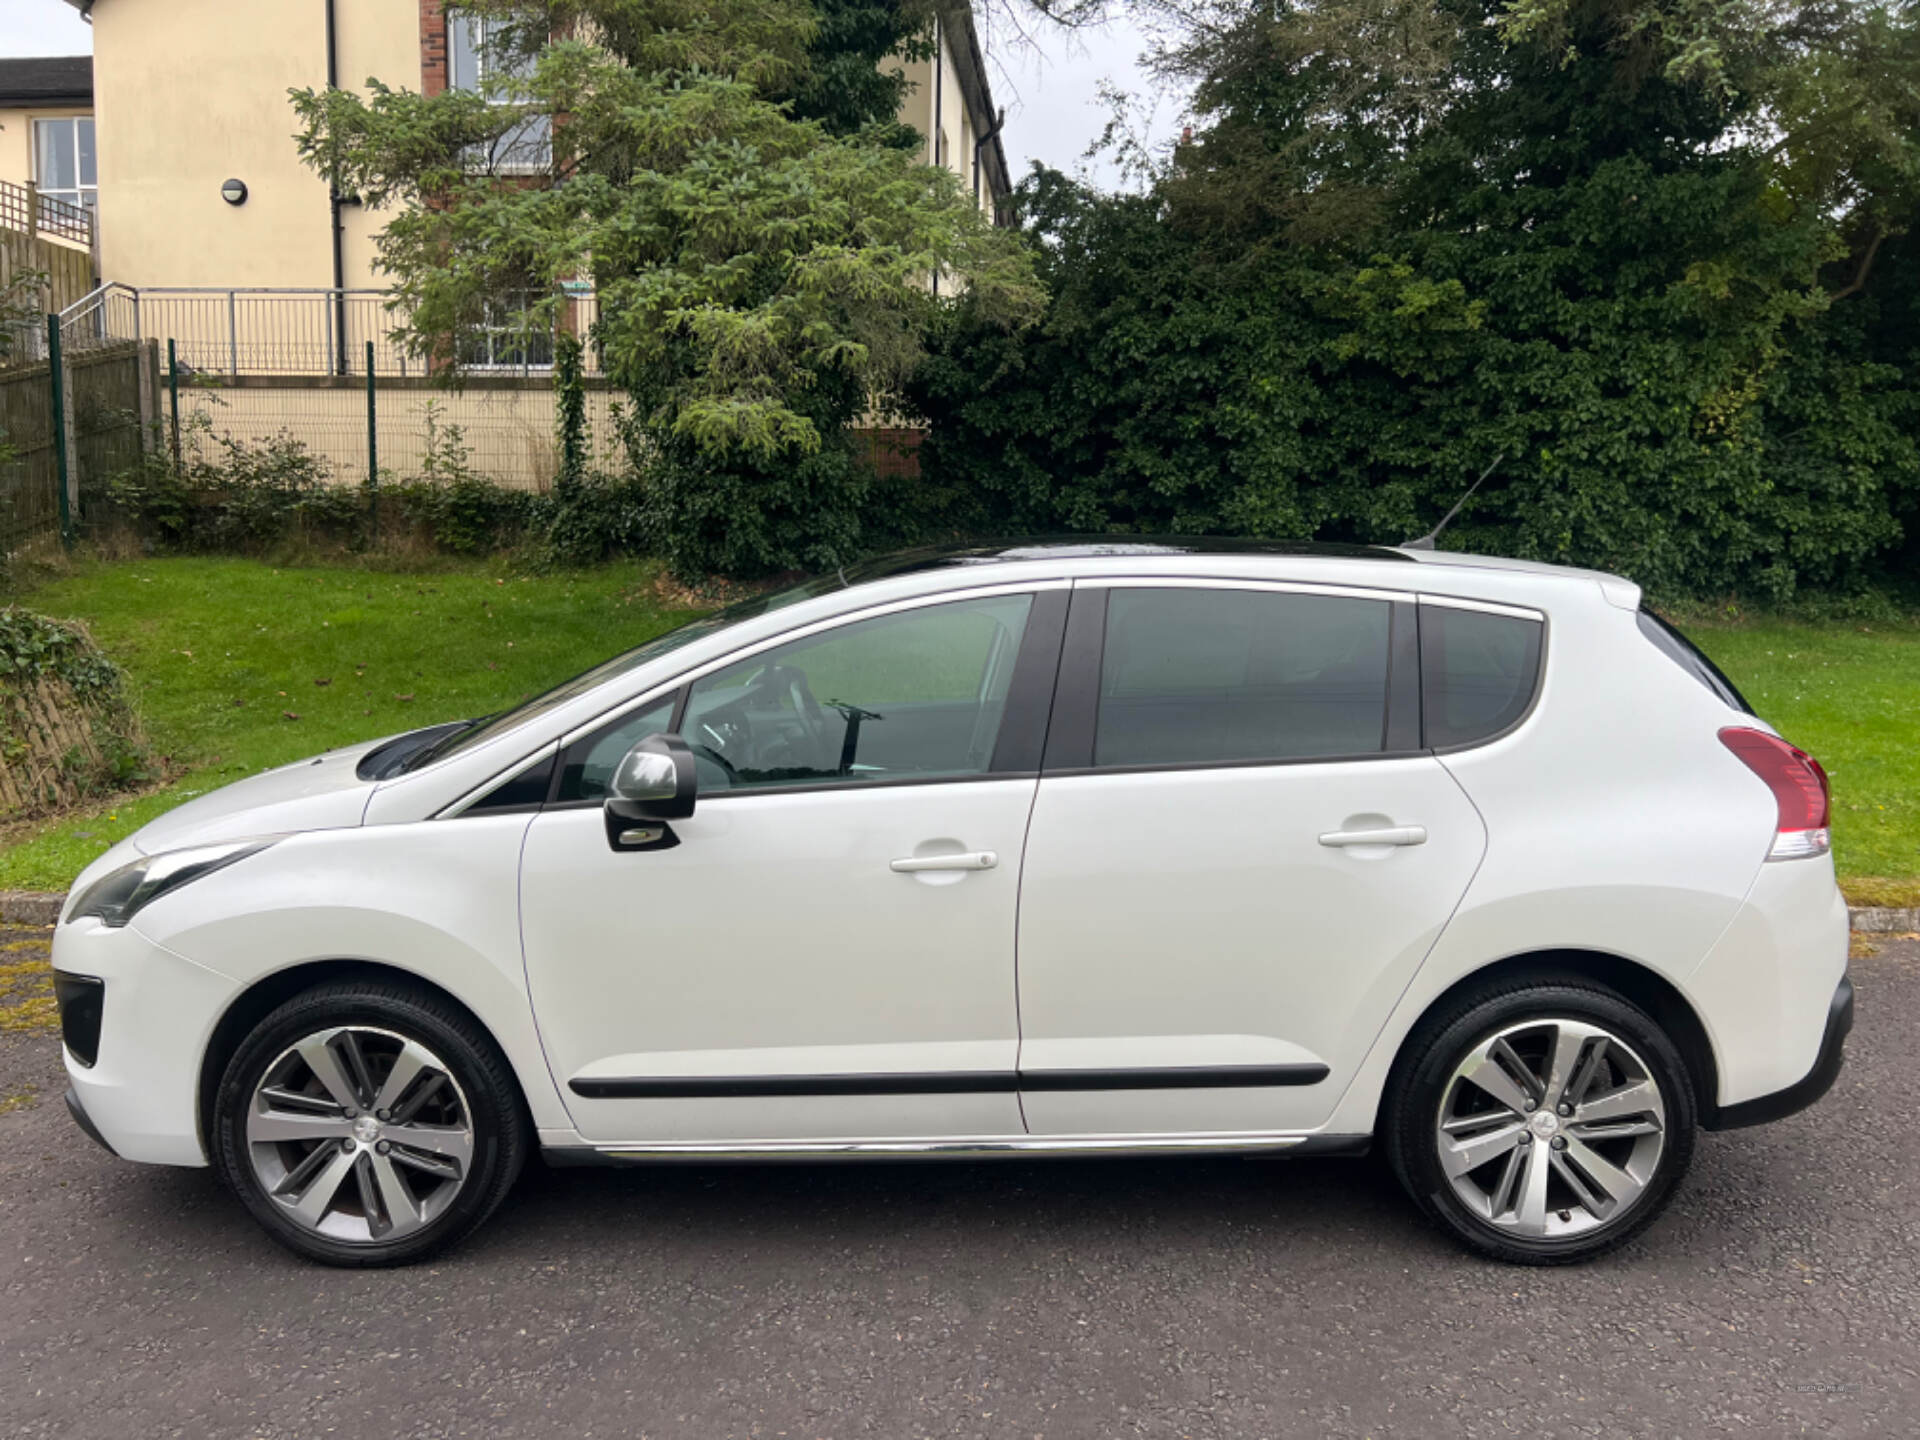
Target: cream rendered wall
pixel 917 110
pixel 508 434
pixel 191 92
pixel 377 38
pixel 16 145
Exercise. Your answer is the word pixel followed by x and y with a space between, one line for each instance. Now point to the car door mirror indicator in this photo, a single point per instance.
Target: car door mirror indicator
pixel 653 783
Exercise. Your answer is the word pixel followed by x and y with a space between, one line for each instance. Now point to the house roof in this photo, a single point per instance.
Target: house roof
pixel 47 80
pixel 969 60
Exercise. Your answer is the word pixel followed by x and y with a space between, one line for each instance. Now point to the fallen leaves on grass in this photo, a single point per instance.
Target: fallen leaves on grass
pixel 290 715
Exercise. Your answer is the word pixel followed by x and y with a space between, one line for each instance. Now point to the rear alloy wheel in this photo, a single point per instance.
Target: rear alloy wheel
pixel 1546 1124
pixel 366 1125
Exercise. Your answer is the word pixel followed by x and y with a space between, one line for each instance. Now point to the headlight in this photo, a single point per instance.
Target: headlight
pixel 117 898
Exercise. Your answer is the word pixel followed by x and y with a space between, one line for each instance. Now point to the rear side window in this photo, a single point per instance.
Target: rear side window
pixel 1477 673
pixel 1689 657
pixel 1197 676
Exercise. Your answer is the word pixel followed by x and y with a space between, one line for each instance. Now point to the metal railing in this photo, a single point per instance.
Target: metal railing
pixel 108 315
pixel 234 333
pixel 25 209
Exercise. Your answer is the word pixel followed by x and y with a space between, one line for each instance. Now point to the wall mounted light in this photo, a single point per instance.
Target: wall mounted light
pixel 234 192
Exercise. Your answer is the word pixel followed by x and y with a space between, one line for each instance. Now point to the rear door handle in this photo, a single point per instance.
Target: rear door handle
pixel 1386 835
pixel 971 860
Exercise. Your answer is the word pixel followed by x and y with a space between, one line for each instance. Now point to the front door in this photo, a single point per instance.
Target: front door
pixel 827 952
pixel 1238 857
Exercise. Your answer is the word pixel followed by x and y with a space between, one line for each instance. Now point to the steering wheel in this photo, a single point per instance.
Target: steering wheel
pixel 707 752
pixel 789 683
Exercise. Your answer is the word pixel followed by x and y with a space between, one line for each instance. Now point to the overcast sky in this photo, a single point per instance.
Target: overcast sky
pixel 1050 91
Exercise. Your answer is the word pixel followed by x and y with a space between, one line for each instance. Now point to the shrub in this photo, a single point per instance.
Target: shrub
pixel 67 728
pixel 232 494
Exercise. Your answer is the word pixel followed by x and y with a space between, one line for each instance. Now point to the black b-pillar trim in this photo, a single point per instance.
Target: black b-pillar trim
pixel 1023 723
pixel 1403 678
pixel 1076 694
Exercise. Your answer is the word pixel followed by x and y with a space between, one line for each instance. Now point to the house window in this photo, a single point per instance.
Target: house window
pixel 497 343
pixel 474 64
pixel 64 160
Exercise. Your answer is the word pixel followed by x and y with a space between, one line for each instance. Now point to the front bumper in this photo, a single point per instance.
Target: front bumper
pixel 140 1095
pixel 1801 1094
pixel 85 1121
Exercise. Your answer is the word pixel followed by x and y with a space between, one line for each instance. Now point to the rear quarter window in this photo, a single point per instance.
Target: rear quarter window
pixel 1478 673
pixel 1690 658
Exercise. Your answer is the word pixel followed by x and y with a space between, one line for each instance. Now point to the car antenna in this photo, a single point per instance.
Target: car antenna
pixel 1425 542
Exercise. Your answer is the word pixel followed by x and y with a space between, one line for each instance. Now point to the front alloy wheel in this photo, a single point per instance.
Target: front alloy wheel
pixel 360 1134
pixel 368 1124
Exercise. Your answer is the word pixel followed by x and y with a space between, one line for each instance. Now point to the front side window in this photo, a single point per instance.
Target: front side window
pixel 1477 673
pixel 911 696
pixel 474 63
pixel 588 766
pixel 64 160
pixel 1191 676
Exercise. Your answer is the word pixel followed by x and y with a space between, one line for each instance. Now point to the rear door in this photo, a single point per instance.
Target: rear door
pixel 1239 854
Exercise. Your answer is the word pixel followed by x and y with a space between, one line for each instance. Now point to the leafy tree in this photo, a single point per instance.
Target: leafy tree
pixel 1635 250
pixel 757 234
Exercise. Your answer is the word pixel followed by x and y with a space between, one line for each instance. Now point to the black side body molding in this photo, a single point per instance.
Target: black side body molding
pixel 947 1082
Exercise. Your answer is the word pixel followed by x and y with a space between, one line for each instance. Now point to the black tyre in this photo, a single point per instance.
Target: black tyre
pixel 368 1124
pixel 1544 1121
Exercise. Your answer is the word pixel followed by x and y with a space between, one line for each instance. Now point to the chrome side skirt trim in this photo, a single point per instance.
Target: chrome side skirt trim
pixel 981 1147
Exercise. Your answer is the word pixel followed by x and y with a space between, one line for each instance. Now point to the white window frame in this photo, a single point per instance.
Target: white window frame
pixel 497 337
pixel 466 42
pixel 80 193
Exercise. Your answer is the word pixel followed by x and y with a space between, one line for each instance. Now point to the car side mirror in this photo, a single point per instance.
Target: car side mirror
pixel 651 784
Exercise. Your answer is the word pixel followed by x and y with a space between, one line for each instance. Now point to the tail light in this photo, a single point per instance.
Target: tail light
pixel 1799 788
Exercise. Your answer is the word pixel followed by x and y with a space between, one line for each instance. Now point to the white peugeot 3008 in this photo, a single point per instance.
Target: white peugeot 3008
pixel 1046 849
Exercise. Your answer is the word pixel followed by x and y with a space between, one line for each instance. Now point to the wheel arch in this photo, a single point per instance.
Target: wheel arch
pixel 269 992
pixel 1637 983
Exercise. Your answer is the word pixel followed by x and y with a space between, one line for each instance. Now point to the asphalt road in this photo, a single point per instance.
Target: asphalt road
pixel 1780 1296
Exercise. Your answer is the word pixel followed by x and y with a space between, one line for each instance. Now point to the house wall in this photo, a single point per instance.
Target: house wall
pixel 917 110
pixel 192 92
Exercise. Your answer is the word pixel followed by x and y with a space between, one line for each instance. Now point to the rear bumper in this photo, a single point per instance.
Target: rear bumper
pixel 1801 1094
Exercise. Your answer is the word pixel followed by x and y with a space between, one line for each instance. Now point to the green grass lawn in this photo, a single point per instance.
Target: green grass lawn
pixel 238 666
pixel 1848 693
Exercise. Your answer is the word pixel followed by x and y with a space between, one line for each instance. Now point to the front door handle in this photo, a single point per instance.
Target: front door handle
pixel 1385 835
pixel 971 860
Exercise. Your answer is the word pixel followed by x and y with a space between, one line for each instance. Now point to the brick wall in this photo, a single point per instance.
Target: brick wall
pixel 891 450
pixel 433 46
